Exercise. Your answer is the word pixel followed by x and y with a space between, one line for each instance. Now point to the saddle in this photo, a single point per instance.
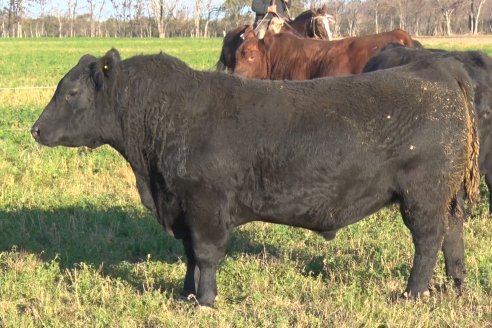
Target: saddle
pixel 276 24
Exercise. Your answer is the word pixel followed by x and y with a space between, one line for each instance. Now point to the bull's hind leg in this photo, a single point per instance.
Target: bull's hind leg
pixel 453 245
pixel 424 216
pixel 488 181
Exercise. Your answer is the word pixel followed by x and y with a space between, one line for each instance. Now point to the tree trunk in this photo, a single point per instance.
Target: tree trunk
pixel 197 15
pixel 205 29
pixel 10 22
pixel 447 18
pixel 19 30
pixel 59 27
pixel 376 22
pixel 157 8
pixel 401 15
pixel 477 16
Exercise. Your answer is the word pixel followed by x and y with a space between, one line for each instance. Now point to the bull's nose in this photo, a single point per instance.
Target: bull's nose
pixel 35 132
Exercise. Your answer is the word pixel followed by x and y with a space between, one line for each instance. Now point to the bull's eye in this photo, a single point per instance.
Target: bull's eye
pixel 72 93
pixel 251 58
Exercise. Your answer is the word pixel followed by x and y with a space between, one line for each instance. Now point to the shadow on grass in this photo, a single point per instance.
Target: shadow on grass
pixel 112 238
pixel 85 234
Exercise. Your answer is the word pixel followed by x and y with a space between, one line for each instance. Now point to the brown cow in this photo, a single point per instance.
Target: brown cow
pixel 286 57
pixel 312 23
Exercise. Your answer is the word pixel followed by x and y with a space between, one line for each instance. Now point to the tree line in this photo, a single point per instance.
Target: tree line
pixel 207 18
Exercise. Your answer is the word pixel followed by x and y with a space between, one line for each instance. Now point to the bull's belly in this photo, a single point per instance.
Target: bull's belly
pixel 320 211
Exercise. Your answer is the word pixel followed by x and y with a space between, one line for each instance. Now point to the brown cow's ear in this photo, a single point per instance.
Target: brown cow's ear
pixel 105 67
pixel 249 33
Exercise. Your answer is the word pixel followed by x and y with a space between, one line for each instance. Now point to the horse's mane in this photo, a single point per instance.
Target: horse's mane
pixel 304 15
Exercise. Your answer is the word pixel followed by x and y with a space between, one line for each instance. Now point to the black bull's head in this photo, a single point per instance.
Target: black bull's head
pixel 75 114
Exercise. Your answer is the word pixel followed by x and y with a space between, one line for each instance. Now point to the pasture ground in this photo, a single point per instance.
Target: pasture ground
pixel 77 249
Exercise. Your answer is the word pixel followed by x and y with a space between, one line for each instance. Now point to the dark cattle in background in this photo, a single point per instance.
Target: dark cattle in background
pixel 417 44
pixel 479 67
pixel 308 24
pixel 286 57
pixel 232 40
pixel 216 151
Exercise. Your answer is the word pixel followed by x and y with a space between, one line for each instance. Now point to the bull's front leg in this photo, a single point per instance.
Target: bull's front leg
pixel 173 219
pixel 209 247
pixel 209 224
pixel 192 271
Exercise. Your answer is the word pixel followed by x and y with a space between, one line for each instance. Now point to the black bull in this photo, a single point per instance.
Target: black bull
pixel 478 66
pixel 214 151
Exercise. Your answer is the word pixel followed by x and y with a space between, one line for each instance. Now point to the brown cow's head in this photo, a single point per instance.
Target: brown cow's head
pixel 252 56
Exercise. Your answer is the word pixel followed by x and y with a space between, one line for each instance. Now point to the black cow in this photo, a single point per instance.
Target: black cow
pixel 216 151
pixel 479 67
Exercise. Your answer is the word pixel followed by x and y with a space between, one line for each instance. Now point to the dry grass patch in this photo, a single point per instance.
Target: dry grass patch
pixel 467 42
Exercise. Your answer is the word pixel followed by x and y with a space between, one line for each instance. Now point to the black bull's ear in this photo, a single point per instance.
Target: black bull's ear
pixel 105 67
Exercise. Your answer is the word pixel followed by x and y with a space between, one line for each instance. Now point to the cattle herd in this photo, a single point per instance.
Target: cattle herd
pixel 214 150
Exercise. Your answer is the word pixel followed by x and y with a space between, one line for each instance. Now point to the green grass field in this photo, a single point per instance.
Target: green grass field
pixel 77 249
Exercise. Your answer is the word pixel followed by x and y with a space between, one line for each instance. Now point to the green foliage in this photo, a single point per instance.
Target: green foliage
pixel 77 249
pixel 234 10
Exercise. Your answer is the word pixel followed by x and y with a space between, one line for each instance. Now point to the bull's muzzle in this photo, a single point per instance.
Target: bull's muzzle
pixel 35 132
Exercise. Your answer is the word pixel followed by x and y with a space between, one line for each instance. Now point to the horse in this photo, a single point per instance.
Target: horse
pixel 284 56
pixel 312 23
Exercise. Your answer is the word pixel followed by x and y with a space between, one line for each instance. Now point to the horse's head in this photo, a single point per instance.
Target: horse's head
pixel 320 23
pixel 252 56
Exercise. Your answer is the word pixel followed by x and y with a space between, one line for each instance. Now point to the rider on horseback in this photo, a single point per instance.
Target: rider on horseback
pixel 265 13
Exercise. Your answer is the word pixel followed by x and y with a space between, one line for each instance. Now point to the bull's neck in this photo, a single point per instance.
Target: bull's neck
pixel 146 113
pixel 112 131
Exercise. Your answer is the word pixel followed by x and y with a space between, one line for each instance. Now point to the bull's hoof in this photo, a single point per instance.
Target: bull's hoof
pixel 459 286
pixel 188 297
pixel 415 295
pixel 204 302
pixel 204 308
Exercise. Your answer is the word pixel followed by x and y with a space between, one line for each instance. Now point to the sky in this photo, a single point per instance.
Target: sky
pixel 82 7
